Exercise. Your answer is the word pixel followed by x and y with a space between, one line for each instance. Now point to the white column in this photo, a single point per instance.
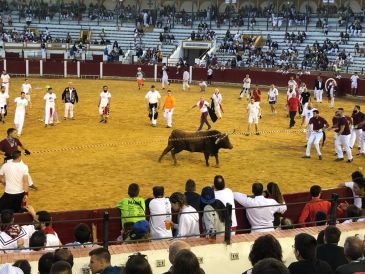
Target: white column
pixel 78 69
pixel 155 73
pixel 190 74
pixel 26 68
pixel 41 68
pixel 101 70
pixel 65 69
pixel 4 64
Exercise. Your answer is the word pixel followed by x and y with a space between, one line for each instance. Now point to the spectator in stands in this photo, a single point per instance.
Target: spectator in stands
pixel 64 254
pixel 305 252
pixel 61 267
pixel 100 262
pixel 23 265
pixel 37 241
pixel 82 234
pixel 270 265
pixel 45 263
pixel 225 195
pixel 188 219
pixel 261 219
pixel 357 186
pixel 159 206
pixel 265 247
pixel 186 263
pixel 192 197
pixel 316 204
pixel 353 213
pixel 9 269
pixel 45 224
pixel 330 252
pixel 132 206
pixel 137 264
pixel 174 248
pixel 214 215
pixel 353 250
pixel 139 232
pixel 273 192
pixel 320 218
pixel 285 223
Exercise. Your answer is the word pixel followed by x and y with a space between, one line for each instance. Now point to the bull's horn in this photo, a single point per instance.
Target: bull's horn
pixel 217 141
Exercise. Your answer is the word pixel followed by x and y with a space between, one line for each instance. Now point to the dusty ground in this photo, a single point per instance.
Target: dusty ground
pixel 82 178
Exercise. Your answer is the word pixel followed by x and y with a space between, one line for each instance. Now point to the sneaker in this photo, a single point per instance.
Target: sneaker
pixel 33 187
pixel 101 121
pixel 306 157
pixel 320 157
pixel 350 160
pixel 339 159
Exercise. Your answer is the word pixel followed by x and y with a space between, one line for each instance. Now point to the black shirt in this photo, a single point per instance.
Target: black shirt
pixel 310 267
pixel 353 267
pixel 193 199
pixel 332 254
pixel 304 97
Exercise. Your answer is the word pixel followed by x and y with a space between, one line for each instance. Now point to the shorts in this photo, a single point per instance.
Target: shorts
pixel 272 102
pixel 3 109
pixel 353 85
pixel 27 96
pixel 253 119
pixel 140 82
pixel 104 110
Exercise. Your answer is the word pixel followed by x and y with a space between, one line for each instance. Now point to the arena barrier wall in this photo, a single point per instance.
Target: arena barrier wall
pixel 65 221
pixel 56 67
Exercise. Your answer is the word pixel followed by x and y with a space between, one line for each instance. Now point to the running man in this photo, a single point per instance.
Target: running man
pixel 307 114
pixel 69 97
pixel 356 132
pixel 165 76
pixel 153 99
pixel 272 97
pixel 21 106
pixel 253 110
pixel 168 108
pixel 140 78
pixel 3 104
pixel 104 105
pixel 5 78
pixel 186 78
pixel 50 106
pixel 343 137
pixel 246 87
pixel 217 103
pixel 27 89
pixel 203 106
pixel 317 125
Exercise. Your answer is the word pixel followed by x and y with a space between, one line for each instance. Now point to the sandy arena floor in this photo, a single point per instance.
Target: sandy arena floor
pixel 81 178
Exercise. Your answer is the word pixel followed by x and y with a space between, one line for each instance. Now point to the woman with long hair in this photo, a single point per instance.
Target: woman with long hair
pixel 273 192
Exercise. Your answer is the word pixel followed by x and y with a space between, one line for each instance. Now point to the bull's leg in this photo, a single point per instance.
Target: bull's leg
pixel 167 149
pixel 216 159
pixel 206 155
pixel 173 152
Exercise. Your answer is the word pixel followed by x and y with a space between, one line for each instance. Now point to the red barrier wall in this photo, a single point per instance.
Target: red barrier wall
pixel 53 67
pixel 71 68
pixel 34 66
pixel 89 68
pixel 15 66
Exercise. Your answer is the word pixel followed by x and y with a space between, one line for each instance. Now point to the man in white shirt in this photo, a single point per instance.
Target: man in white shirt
pixel 272 97
pixel 3 104
pixel 14 176
pixel 153 99
pixel 5 78
pixel 202 86
pixel 104 104
pixel 261 219
pixel 45 224
pixel 27 89
pixel 203 106
pixel 354 81
pixel 21 105
pixel 225 195
pixel 307 114
pixel 50 105
pixel 246 87
pixel 357 185
pixel 217 102
pixel 209 75
pixel 160 226
pixel 165 77
pixel 253 111
pixel 186 78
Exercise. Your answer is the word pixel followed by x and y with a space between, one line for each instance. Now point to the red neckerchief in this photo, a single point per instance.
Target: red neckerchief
pixel 49 230
pixel 201 104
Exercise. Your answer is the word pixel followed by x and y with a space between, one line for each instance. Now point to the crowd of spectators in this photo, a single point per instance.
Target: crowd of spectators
pixel 203 33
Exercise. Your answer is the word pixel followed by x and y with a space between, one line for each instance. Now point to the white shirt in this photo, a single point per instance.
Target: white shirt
pixel 14 173
pixel 308 113
pixel 157 223
pixel 188 222
pixel 204 108
pixel 203 84
pixel 357 199
pixel 253 109
pixel 259 218
pixel 226 196
pixel 186 75
pixel 20 104
pixel 164 72
pixel 50 99
pixel 246 83
pixel 354 79
pixel 5 78
pixel 292 83
pixel 153 97
pixel 104 98
pixel 290 94
pixel 210 72
pixel 52 240
pixel 26 88
pixel 3 98
pixel 139 75
pixel 217 98
pixel 273 94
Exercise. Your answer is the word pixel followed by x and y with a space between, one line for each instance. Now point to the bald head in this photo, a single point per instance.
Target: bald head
pixel 353 248
pixel 175 247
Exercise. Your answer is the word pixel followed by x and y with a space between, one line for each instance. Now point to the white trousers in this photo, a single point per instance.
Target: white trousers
pixel 69 107
pixel 332 102
pixel 167 114
pixel 343 140
pixel 362 142
pixel 355 135
pixel 319 95
pixel 6 85
pixel 218 110
pixel 185 85
pixel 49 115
pixel 19 120
pixel 164 80
pixel 314 138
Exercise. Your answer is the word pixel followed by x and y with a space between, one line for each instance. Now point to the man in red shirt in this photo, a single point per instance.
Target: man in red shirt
pixel 256 94
pixel 343 137
pixel 315 205
pixel 293 104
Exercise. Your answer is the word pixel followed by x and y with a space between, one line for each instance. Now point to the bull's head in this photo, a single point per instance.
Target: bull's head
pixel 223 141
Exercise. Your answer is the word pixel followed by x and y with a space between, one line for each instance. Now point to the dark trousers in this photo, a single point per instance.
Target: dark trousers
pixel 209 79
pixel 11 201
pixel 204 120
pixel 292 118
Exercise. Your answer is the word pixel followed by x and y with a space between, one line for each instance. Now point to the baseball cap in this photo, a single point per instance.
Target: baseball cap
pixel 207 196
pixel 139 230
